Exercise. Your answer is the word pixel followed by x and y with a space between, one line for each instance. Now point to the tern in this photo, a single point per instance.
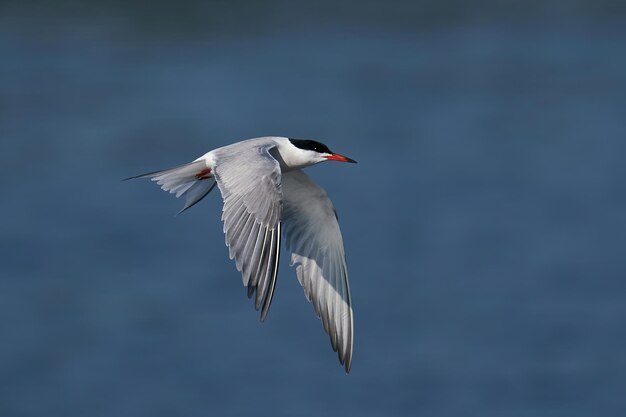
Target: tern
pixel 265 192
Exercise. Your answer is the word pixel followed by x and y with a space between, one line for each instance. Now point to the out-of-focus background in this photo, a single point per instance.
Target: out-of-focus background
pixel 485 223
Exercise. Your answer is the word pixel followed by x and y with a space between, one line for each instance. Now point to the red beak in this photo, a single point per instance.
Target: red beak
pixel 340 158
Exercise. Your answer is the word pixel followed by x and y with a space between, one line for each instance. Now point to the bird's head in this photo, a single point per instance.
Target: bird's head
pixel 312 152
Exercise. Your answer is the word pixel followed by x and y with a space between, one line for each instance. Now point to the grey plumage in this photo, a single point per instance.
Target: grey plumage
pixel 265 194
pixel 313 236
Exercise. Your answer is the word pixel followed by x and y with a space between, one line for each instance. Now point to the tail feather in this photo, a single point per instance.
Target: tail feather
pixel 192 180
pixel 197 192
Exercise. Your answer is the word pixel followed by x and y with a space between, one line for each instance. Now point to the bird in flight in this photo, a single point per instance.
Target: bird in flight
pixel 265 193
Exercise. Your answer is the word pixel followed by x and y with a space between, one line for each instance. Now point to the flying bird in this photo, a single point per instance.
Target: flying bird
pixel 265 193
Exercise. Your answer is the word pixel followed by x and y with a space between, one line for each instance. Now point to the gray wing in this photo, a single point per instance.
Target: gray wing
pixel 249 180
pixel 312 235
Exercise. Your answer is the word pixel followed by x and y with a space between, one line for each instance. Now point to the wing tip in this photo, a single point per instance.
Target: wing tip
pixel 348 366
pixel 347 358
pixel 263 315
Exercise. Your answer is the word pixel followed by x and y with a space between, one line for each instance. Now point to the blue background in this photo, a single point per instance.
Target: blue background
pixel 485 224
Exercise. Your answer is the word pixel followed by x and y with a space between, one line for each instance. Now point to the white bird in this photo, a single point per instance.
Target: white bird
pixel 264 191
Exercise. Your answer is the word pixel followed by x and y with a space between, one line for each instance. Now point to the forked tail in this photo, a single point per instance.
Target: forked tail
pixel 193 180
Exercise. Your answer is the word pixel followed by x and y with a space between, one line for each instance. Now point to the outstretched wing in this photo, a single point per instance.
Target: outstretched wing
pixel 312 235
pixel 249 181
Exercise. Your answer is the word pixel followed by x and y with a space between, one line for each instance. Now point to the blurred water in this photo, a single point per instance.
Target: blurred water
pixel 485 222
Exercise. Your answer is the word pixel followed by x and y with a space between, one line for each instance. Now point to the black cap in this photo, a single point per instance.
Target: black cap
pixel 310 145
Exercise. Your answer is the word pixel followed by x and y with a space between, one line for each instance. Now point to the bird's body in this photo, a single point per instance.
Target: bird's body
pixel 264 191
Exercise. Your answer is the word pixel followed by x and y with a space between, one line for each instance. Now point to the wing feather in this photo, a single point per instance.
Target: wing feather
pixel 313 237
pixel 250 183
